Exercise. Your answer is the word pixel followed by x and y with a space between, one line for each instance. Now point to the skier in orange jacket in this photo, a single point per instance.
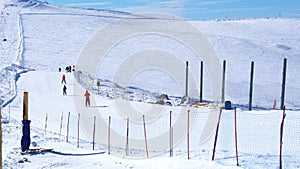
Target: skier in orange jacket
pixel 87 98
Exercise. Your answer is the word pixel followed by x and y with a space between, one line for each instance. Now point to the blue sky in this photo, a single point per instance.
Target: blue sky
pixel 196 9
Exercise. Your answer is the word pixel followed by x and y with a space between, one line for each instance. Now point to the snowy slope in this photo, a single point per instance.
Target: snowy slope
pixel 46 96
pixel 47 37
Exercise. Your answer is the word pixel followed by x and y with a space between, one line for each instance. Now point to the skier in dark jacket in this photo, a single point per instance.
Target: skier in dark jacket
pixel 65 90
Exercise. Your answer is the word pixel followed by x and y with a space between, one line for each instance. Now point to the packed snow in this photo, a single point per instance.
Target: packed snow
pixel 38 38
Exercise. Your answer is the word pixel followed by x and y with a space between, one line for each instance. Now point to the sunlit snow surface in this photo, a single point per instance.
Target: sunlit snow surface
pixel 43 38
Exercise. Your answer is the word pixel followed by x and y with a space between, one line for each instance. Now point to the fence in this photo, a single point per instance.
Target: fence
pixel 258 136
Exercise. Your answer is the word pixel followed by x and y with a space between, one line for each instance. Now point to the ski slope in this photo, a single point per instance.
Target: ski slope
pixel 45 94
pixel 48 37
pixel 258 132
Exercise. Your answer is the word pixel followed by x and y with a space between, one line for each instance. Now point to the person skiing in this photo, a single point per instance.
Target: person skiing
pixel 63 79
pixel 64 90
pixel 87 98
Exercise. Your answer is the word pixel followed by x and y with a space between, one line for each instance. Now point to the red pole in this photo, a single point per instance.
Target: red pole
pixel 188 135
pixel 68 124
pixel 108 139
pixel 281 138
pixel 171 135
pixel 236 141
pixel 127 138
pixel 94 132
pixel 216 136
pixel 78 127
pixel 145 134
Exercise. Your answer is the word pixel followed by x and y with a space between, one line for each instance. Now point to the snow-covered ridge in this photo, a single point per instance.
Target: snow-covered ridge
pixel 35 6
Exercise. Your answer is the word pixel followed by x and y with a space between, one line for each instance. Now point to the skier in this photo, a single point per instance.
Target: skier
pixel 70 69
pixel 65 90
pixel 87 98
pixel 63 79
pixel 67 69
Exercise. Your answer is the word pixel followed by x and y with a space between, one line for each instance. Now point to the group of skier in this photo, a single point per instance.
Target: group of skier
pixel 86 94
pixel 69 69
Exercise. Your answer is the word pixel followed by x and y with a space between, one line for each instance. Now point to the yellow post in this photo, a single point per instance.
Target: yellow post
pixel 25 106
pixel 0 139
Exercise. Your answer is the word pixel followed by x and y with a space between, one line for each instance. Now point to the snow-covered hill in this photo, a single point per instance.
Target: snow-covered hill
pixel 37 38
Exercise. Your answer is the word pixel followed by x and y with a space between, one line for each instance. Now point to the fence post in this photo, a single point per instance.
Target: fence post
pixel 145 135
pixel 283 83
pixel 127 138
pixel 188 134
pixel 108 138
pixel 78 127
pixel 61 123
pixel 171 135
pixel 9 113
pixel 274 105
pixel 223 82
pixel 201 81
pixel 25 141
pixel 236 140
pixel 281 137
pixel 187 80
pixel 0 139
pixel 68 127
pixel 25 106
pixel 216 136
pixel 46 123
pixel 251 85
pixel 94 132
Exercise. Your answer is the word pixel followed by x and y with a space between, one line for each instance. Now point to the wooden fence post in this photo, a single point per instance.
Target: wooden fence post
pixel 274 105
pixel 0 139
pixel 223 81
pixel 251 85
pixel 108 138
pixel 94 132
pixel 236 140
pixel 281 137
pixel 188 135
pixel 68 127
pixel 78 127
pixel 171 135
pixel 283 83
pixel 201 81
pixel 46 123
pixel 127 138
pixel 61 123
pixel 25 141
pixel 216 136
pixel 145 135
pixel 25 106
pixel 187 80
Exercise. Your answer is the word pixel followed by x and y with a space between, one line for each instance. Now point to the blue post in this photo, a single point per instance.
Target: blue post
pixel 25 141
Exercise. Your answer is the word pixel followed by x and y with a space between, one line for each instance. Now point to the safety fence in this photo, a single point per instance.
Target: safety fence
pixel 191 133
